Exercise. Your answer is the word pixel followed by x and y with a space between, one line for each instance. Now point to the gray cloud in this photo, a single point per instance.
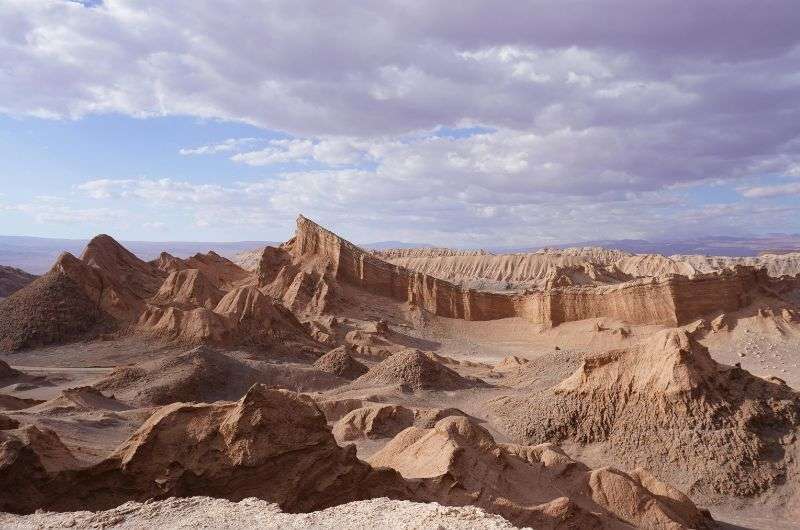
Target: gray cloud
pixel 596 103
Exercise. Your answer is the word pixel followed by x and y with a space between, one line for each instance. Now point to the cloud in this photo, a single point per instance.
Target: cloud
pixel 279 151
pixel 582 127
pixel 231 144
pixel 782 190
pixel 163 190
pixel 50 210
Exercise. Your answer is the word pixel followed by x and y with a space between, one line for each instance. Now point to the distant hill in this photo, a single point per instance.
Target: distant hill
pixel 12 279
pixel 37 254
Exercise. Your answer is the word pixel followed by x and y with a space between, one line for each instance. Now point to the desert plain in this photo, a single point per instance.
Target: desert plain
pixel 318 384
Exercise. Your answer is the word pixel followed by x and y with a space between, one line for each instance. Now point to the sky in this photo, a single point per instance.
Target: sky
pixel 503 123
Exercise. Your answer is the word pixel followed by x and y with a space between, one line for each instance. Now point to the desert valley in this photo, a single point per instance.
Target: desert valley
pixel 316 384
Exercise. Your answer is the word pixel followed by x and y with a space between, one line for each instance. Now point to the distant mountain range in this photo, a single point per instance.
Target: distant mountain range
pixel 707 246
pixel 37 254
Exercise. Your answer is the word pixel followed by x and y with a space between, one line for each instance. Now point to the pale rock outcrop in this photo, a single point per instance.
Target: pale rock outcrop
pixel 257 315
pixel 667 406
pixel 537 486
pixel 385 421
pixel 319 255
pixel 271 444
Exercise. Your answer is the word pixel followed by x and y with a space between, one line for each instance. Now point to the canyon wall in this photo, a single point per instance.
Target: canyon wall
pixel 669 300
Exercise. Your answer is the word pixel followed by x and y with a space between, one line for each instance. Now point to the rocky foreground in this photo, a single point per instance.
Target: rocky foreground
pixel 207 512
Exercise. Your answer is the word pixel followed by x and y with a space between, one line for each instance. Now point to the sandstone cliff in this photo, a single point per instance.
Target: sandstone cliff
pixel 316 259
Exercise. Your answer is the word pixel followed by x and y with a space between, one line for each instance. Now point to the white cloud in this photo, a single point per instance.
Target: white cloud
pixel 52 210
pixel 780 190
pixel 278 152
pixel 226 146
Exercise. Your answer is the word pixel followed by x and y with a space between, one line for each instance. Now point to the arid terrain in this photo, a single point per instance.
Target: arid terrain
pixel 317 384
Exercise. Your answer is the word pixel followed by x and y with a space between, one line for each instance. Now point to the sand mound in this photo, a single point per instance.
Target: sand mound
pixel 187 289
pixel 207 512
pixel 6 372
pixel 385 421
pixel 666 405
pixel 415 370
pixel 531 485
pixel 78 399
pixel 51 309
pixel 203 374
pixel 12 280
pixel 511 362
pixel 14 403
pixel 340 363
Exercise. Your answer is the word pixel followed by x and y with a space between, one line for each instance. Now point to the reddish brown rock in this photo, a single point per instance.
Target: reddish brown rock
pixel 538 486
pixel 340 363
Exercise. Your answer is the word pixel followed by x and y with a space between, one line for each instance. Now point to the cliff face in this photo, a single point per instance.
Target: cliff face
pixel 668 300
pixel 530 269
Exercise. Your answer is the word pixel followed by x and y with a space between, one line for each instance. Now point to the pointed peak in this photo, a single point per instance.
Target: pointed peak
pixel 103 247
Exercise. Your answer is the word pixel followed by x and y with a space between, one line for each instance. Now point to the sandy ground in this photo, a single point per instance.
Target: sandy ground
pixel 553 352
pixel 205 512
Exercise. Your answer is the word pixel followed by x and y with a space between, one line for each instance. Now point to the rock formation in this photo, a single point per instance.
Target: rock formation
pixel 275 445
pixel 316 260
pixel 209 299
pixel 529 269
pixel 187 289
pixel 271 444
pixel 198 300
pixel 29 457
pixel 6 372
pixel 78 399
pixel 666 405
pixel 385 421
pixel 537 486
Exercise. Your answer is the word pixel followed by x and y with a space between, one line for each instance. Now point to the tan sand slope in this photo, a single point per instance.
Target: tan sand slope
pixel 667 406
pixel 416 371
pixel 204 374
pixel 340 363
